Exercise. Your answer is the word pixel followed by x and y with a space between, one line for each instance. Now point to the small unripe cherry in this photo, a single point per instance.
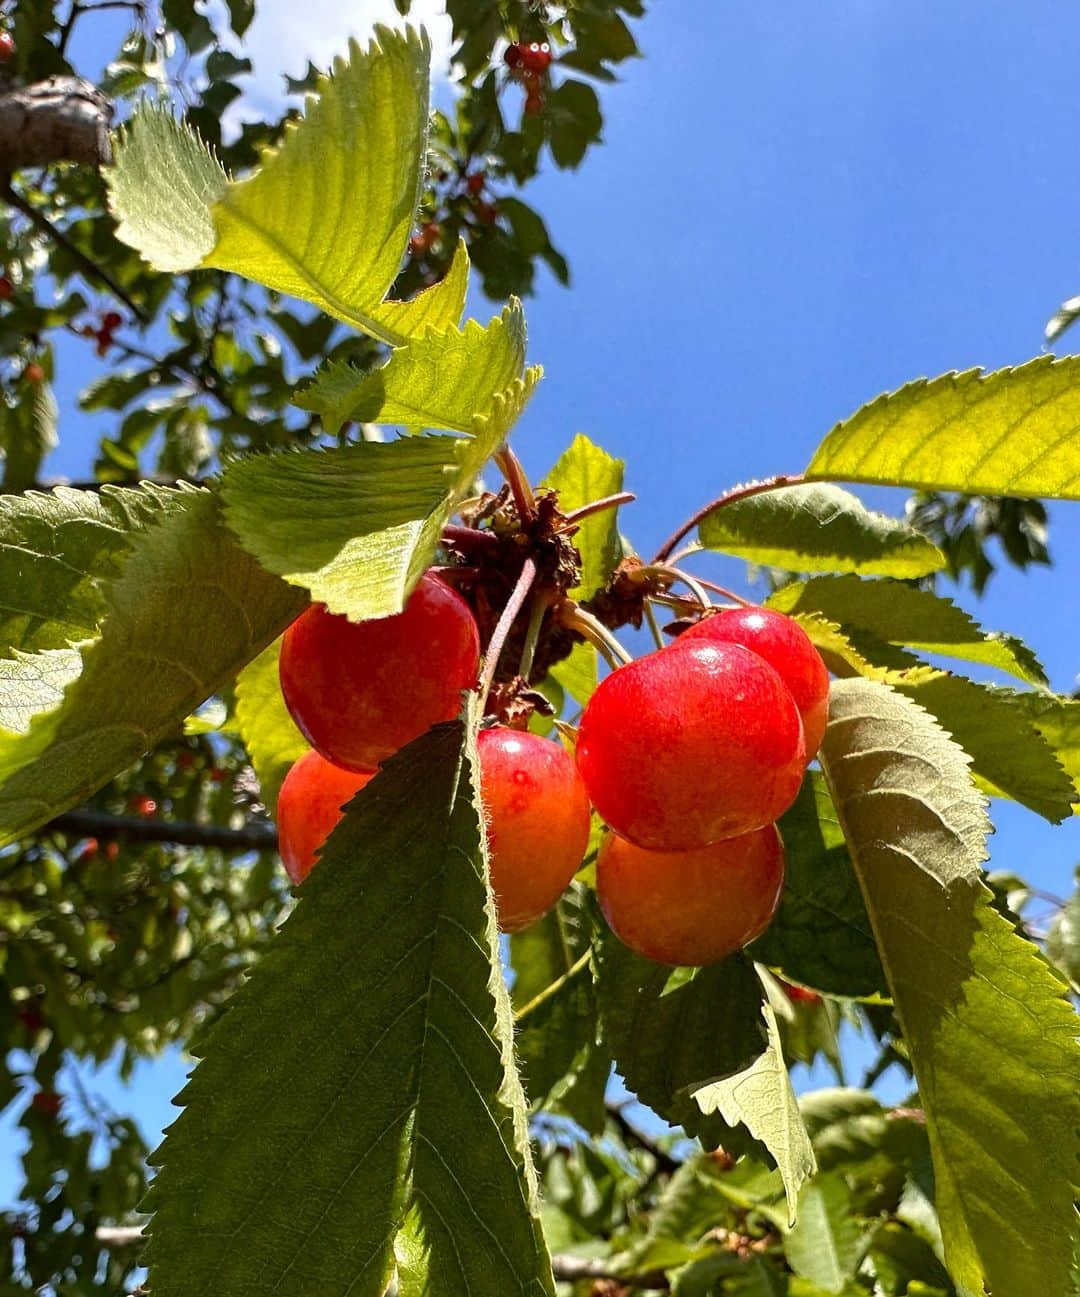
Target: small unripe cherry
pixel 692 744
pixel 7 47
pixel 787 648
pixel 691 907
pixel 312 799
pixel 537 822
pixel 359 691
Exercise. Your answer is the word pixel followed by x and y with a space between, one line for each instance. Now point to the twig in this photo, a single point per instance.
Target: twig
pixel 502 628
pixel 511 469
pixel 569 1269
pixel 255 836
pixel 663 1159
pixel 729 497
pixel 553 988
pixel 90 268
pixel 596 506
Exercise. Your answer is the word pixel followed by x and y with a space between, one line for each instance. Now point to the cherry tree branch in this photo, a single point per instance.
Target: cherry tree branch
pixel 254 836
pixel 729 497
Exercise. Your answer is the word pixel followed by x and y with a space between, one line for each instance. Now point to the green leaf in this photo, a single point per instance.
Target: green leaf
pixel 1058 721
pixel 824 1245
pixel 163 188
pixel 585 473
pixel 578 673
pixel 760 1098
pixel 358 1098
pixel 819 528
pixel 821 935
pixel 442 380
pixel 187 611
pixel 989 1029
pixel 327 215
pixel 574 121
pixel 56 550
pixel 1010 432
pixel 667 1044
pixel 357 525
pixel 905 615
pixel 27 435
pixel 1063 939
pixel 268 731
pixel 556 1037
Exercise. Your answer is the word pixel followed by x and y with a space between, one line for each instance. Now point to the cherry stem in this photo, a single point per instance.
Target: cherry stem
pixel 654 625
pixel 522 492
pixel 467 536
pixel 597 506
pixel 728 594
pixel 502 628
pixel 733 496
pixel 553 988
pixel 576 618
pixel 665 569
pixel 541 603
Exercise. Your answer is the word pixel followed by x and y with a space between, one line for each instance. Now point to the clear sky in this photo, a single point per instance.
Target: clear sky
pixel 795 208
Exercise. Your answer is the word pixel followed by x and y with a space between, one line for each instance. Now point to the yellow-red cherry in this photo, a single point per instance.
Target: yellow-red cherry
pixel 692 744
pixel 537 814
pixel 312 800
pixel 787 648
pixel 361 690
pixel 691 907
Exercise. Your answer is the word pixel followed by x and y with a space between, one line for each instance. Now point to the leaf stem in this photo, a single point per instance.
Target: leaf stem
pixel 576 618
pixel 665 569
pixel 654 626
pixel 597 506
pixel 502 629
pixel 552 988
pixel 541 603
pixel 520 488
pixel 736 494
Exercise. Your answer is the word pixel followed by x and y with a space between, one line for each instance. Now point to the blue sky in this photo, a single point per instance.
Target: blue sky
pixel 795 208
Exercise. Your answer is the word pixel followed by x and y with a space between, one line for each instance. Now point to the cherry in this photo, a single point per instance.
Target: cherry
pixel 425 239
pixel 185 760
pixel 218 774
pixel 691 907
pixel 486 213
pixel 142 805
pixel 112 851
pixel 312 800
pixel 513 56
pixel 360 691
pixel 33 372
pixel 111 321
pixel 537 822
pixel 7 289
pixel 88 851
pixel 783 643
pixel 536 56
pixel 691 744
pixel 475 183
pixel 47 1102
pixel 7 47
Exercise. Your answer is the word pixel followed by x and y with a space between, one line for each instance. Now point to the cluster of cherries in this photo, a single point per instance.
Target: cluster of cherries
pixel 529 63
pixel 110 322
pixel 689 754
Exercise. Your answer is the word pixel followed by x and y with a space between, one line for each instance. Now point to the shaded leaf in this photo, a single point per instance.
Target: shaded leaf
pixel 824 1245
pixel 819 528
pixel 989 1029
pixel 379 1123
pixel 582 474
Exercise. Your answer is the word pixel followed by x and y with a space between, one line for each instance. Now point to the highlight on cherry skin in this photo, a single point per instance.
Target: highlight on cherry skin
pixel 787 648
pixel 312 800
pixel 690 745
pixel 537 813
pixel 691 907
pixel 359 691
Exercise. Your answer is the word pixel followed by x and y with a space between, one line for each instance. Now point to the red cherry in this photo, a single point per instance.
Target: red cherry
pixel 536 56
pixel 691 907
pixel 219 775
pixel 800 994
pixel 47 1102
pixel 89 850
pixel 111 320
pixel 142 805
pixel 691 744
pixel 312 800
pixel 513 56
pixel 537 822
pixel 185 760
pixel 112 851
pixel 475 183
pixel 33 373
pixel 534 105
pixel 7 289
pixel 486 213
pixel 360 691
pixel 787 648
pixel 7 47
